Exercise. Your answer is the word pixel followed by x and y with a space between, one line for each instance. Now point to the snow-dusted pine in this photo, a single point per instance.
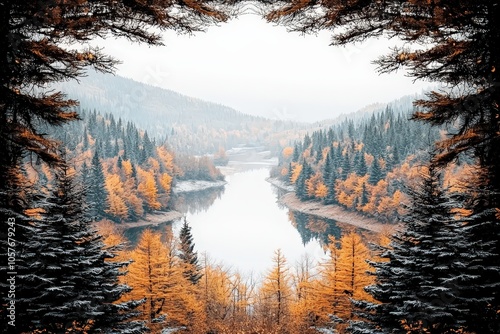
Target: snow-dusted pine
pixel 72 284
pixel 420 277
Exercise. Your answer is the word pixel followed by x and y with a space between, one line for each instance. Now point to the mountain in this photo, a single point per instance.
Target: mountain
pixel 188 124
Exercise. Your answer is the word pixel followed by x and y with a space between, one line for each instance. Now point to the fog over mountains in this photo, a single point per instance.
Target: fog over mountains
pixel 190 124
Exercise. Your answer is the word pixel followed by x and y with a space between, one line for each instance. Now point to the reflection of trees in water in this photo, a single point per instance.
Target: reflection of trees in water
pixel 196 201
pixel 133 234
pixel 278 192
pixel 314 228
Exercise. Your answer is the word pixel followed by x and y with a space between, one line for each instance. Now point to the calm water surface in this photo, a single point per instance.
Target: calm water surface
pixel 242 224
pixel 246 225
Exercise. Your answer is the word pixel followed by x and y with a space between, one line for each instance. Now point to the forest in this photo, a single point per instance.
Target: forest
pixel 363 165
pixel 200 295
pixel 126 173
pixel 71 175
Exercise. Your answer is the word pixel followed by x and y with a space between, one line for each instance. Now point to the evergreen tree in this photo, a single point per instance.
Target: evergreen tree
pixel 307 142
pixel 364 196
pixel 85 145
pixel 330 184
pixel 300 184
pixel 71 284
pixel 119 162
pixel 147 145
pixel 346 166
pixel 15 201
pixel 97 194
pixel 329 165
pixel 481 229
pixel 375 173
pixel 420 282
pixel 187 254
pixel 361 168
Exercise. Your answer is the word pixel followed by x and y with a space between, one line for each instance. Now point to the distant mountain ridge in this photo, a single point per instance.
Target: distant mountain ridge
pixel 188 124
pixel 125 97
pixel 192 125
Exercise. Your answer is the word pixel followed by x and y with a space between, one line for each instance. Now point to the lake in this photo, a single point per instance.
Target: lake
pixel 242 224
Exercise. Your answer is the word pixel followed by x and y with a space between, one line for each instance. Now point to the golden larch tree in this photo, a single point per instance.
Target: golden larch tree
pixel 276 295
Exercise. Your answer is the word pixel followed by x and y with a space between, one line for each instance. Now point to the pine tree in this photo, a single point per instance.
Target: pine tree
pixel 187 254
pixel 301 183
pixel 330 184
pixel 481 229
pixel 85 144
pixel 364 196
pixel 361 168
pixel 346 166
pixel 375 173
pixel 420 282
pixel 71 284
pixel 15 201
pixel 97 194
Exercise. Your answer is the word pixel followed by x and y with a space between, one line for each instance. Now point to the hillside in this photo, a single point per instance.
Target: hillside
pixel 126 174
pixel 361 165
pixel 190 125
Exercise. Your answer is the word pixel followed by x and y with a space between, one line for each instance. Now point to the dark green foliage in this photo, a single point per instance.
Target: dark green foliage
pixel 423 280
pixel 346 166
pixel 330 184
pixel 70 282
pixel 361 168
pixel 97 193
pixel 300 184
pixel 296 152
pixel 14 200
pixel 376 173
pixel 482 230
pixel 187 254
pixel 364 196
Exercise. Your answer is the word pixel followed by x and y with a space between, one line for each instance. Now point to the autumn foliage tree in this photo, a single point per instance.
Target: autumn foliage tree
pixel 276 295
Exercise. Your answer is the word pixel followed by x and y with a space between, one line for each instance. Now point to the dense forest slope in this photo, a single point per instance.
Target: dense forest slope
pixel 127 174
pixel 361 165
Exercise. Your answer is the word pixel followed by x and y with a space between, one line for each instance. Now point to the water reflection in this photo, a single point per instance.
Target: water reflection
pixel 196 201
pixel 314 228
pixel 243 223
pixel 133 234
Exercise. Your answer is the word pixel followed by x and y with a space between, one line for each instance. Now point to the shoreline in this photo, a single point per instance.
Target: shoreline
pixel 153 219
pixel 160 217
pixel 187 186
pixel 329 211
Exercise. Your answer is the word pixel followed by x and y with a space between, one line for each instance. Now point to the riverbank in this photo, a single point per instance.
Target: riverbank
pixel 196 185
pixel 153 219
pixel 334 212
pixel 280 184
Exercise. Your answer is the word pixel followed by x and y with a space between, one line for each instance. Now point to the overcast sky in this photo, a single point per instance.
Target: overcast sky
pixel 261 69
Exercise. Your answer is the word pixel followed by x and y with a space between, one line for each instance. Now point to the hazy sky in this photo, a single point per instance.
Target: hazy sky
pixel 261 69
